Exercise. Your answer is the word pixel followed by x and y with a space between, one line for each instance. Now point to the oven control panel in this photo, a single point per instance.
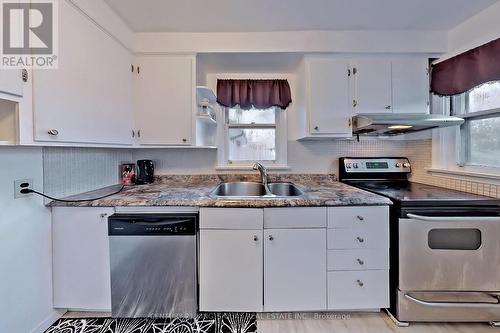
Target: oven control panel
pixel 379 165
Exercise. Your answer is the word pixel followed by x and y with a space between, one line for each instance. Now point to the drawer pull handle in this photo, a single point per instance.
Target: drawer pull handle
pixel 360 239
pixel 361 262
pixel 360 283
pixel 361 218
pixel 255 238
pixel 271 238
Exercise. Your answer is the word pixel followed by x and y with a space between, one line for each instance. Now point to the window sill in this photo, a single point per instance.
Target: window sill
pixel 466 175
pixel 249 168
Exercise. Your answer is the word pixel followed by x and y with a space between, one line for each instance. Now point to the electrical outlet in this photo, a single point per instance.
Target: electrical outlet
pixel 20 184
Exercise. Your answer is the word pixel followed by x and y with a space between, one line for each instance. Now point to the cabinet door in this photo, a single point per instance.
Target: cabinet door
pixel 410 85
pixel 11 82
pixel 329 99
pixel 88 98
pixel 372 85
pixel 81 258
pixel 231 270
pixel 294 269
pixel 165 98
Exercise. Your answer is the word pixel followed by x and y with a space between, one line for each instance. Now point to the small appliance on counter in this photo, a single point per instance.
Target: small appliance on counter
pixel 145 172
pixel 127 173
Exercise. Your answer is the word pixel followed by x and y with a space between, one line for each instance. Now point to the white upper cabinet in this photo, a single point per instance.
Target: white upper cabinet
pixel 410 85
pixel 372 85
pixel 11 82
pixel 88 99
pixel 384 85
pixel 323 98
pixel 165 98
pixel 329 109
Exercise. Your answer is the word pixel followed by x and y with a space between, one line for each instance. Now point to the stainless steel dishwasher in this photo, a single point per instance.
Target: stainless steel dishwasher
pixel 153 265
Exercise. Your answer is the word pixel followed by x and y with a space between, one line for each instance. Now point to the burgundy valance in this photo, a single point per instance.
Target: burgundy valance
pixel 260 94
pixel 467 70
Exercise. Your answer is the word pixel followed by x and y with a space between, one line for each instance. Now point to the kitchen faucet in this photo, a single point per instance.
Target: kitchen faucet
pixel 263 172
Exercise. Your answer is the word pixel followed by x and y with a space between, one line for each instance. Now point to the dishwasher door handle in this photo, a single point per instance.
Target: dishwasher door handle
pixel 160 223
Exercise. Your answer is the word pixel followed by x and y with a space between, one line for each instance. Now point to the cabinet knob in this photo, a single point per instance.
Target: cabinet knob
pixel 361 262
pixel 139 133
pixel 271 238
pixel 360 283
pixel 103 215
pixel 53 132
pixel 387 107
pixel 133 133
pixel 361 218
pixel 184 140
pixel 316 128
pixel 255 238
pixel 360 239
pixel 24 75
pixel 354 103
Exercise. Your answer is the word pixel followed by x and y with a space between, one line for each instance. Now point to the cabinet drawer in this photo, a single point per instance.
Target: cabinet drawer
pixel 358 290
pixel 358 238
pixel 351 260
pixel 299 217
pixel 358 216
pixel 231 218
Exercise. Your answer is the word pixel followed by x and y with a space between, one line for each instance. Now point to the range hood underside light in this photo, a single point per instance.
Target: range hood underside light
pixel 384 124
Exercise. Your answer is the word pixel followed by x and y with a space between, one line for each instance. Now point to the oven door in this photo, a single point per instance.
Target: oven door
pixel 449 253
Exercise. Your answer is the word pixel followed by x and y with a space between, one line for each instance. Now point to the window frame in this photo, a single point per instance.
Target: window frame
pixel 460 106
pixel 280 127
pixel 449 145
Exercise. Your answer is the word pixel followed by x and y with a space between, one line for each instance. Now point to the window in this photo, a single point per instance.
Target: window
pixel 479 143
pixel 253 135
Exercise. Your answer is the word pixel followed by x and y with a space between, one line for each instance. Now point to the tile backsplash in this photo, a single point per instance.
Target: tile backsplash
pixel 69 171
pixel 420 154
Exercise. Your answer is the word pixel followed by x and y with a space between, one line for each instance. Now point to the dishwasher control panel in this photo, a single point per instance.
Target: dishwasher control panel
pixel 152 224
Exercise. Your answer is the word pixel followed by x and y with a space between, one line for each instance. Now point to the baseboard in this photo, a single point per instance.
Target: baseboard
pixel 49 320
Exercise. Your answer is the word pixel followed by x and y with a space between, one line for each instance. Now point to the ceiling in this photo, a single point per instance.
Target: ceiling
pixel 291 15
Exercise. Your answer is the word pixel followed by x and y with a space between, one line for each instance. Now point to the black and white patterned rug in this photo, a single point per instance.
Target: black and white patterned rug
pixel 203 323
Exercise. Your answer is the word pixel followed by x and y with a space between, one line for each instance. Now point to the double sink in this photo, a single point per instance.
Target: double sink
pixel 256 190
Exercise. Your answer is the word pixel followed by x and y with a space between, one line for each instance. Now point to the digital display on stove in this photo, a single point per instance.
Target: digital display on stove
pixel 377 165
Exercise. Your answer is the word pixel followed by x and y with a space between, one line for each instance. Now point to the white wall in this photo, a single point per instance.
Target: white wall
pixel 477 30
pixel 25 247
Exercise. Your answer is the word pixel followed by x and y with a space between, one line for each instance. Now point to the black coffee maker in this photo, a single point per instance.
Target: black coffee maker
pixel 145 172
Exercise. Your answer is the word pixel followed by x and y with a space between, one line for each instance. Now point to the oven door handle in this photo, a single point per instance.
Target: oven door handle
pixel 452 304
pixel 454 218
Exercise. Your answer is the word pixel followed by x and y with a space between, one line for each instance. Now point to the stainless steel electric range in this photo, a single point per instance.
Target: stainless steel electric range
pixel 444 245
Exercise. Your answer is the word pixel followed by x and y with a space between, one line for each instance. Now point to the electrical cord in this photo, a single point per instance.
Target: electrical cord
pixel 28 190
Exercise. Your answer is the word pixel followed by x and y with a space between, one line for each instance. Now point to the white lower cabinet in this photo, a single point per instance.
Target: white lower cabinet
pixel 81 276
pixel 294 259
pixel 294 269
pixel 367 289
pixel 358 258
pixel 231 270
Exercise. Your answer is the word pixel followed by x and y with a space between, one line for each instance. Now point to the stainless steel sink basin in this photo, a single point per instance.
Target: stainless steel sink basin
pixel 240 189
pixel 285 190
pixel 256 190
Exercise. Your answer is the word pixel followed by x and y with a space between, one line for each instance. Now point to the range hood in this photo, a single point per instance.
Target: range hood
pixel 393 124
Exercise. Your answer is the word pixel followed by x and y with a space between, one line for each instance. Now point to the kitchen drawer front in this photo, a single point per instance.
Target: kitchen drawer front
pixel 352 260
pixel 358 290
pixel 359 238
pixel 297 217
pixel 232 218
pixel 358 216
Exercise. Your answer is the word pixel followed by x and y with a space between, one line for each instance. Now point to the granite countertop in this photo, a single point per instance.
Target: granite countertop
pixel 195 190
